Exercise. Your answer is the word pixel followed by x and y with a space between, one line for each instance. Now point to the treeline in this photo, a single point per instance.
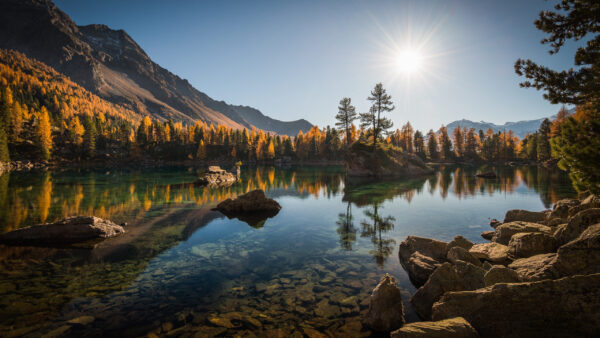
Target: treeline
pixel 46 116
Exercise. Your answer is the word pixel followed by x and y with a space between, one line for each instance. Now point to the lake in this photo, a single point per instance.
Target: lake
pixel 185 270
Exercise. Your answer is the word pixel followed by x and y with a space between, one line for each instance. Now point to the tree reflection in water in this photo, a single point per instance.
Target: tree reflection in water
pixel 374 228
pixel 346 229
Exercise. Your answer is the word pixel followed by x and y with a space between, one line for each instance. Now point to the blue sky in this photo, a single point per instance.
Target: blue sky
pixel 297 59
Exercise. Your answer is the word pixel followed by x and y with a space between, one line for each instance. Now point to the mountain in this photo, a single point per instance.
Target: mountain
pixel 110 64
pixel 520 128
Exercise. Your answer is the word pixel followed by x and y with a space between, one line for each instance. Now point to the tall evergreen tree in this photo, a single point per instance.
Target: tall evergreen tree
pixel 44 134
pixel 419 144
pixel 381 104
pixel 432 146
pixel 89 137
pixel 345 117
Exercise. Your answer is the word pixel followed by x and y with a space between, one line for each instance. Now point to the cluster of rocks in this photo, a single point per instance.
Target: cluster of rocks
pixel 217 177
pixel 70 230
pixel 538 276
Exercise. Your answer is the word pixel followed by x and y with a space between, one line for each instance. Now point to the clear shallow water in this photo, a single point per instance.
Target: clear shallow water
pixel 185 270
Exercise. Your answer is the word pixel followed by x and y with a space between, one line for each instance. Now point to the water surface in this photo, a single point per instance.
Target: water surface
pixel 183 269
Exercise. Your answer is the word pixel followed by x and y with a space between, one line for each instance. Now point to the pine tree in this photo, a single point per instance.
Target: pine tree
pixel 419 144
pixel 457 136
pixel 4 153
pixel 44 134
pixel 543 141
pixel 345 117
pixel 381 103
pixel 445 144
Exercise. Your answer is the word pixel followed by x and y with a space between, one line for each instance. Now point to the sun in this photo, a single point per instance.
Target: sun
pixel 409 61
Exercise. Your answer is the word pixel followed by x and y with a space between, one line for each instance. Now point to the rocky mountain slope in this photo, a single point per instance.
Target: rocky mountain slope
pixel 112 65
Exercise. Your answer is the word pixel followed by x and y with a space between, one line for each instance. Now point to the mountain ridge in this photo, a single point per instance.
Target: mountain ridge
pixel 520 128
pixel 111 64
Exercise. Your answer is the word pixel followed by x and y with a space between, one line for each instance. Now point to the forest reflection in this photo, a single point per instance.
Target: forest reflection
pixel 30 198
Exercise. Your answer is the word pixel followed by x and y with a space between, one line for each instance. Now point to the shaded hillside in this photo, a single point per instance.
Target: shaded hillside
pixel 112 65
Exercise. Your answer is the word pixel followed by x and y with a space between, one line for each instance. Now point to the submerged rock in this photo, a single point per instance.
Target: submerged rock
pixel 454 327
pixel 70 230
pixel 566 307
pixel 253 207
pixel 386 311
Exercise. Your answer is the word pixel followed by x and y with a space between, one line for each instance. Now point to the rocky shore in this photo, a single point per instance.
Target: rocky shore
pixel 538 276
pixel 21 165
pixel 217 177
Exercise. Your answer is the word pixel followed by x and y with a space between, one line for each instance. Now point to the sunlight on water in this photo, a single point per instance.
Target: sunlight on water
pixel 182 267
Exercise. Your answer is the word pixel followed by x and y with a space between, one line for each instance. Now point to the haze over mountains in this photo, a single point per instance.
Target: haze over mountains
pixel 112 65
pixel 520 128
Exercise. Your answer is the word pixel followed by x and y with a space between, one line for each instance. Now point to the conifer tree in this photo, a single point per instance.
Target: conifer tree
pixel 419 144
pixel 445 144
pixel 4 153
pixel 201 151
pixel 432 145
pixel 381 104
pixel 89 137
pixel 345 117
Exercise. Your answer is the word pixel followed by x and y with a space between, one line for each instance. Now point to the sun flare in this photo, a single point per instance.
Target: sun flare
pixel 409 61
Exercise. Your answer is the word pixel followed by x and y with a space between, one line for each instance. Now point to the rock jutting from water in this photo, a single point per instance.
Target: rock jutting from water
pixel 217 177
pixel 253 207
pixel 538 276
pixel 362 160
pixel 386 311
pixel 70 230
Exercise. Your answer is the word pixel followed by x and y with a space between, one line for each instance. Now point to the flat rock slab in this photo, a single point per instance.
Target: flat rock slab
pixel 454 327
pixel 70 230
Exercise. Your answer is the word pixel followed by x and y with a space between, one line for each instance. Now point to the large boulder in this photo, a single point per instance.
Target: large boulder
pixel 591 201
pixel 420 267
pixel 500 274
pixel 426 246
pixel 493 252
pixel 576 225
pixel 459 241
pixel 70 230
pixel 580 256
pixel 454 327
pixel 386 312
pixel 448 277
pixel 566 307
pixel 536 267
pixel 458 253
pixel 527 244
pixel 561 208
pixel 420 257
pixel 505 231
pixel 525 216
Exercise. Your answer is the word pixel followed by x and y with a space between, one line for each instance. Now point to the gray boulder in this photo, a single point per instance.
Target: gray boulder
pixel 420 257
pixel 505 231
pixel 580 256
pixel 459 241
pixel 525 216
pixel 448 277
pixel 454 327
pixel 70 230
pixel 500 274
pixel 493 252
pixel 576 225
pixel 527 244
pixel 566 307
pixel 536 267
pixel 386 312
pixel 217 177
pixel 460 254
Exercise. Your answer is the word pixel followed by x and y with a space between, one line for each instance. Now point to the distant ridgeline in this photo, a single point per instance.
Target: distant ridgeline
pixel 46 116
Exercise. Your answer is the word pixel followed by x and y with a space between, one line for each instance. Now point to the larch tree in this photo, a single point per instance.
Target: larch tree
pixel 432 145
pixel 345 117
pixel 381 103
pixel 44 134
pixel 201 151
